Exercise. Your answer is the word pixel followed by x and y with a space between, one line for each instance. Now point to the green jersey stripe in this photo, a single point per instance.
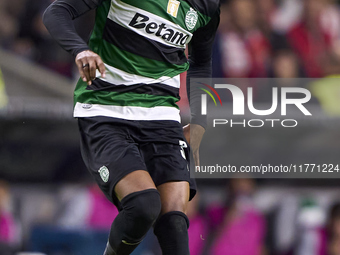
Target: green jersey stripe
pixel 124 99
pixel 127 112
pixel 97 33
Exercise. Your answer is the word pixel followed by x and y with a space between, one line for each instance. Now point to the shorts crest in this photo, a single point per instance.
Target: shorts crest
pixel 104 173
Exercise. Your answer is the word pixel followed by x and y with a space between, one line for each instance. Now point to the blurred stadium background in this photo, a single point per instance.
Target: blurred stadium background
pixel 48 203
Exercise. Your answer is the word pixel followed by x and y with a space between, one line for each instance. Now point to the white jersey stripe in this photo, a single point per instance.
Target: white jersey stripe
pixel 127 112
pixel 122 13
pixel 118 77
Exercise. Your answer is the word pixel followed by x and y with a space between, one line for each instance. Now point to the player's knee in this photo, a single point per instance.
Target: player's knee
pixel 143 206
pixel 148 206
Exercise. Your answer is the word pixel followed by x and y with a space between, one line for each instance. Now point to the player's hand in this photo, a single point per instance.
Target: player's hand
pixel 88 62
pixel 193 134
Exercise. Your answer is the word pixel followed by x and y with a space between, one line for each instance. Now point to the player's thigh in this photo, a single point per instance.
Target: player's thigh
pixel 133 182
pixel 113 157
pixel 174 196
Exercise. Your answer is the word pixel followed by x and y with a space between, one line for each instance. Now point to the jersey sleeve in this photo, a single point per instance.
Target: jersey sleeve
pixel 58 20
pixel 200 59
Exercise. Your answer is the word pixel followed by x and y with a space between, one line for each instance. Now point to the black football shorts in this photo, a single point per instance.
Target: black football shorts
pixel 112 148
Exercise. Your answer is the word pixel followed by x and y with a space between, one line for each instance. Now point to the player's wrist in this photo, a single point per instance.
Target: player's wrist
pixel 80 50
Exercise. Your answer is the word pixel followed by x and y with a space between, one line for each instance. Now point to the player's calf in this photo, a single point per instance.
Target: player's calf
pixel 171 230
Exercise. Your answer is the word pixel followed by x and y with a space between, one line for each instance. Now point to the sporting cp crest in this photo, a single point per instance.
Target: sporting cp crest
pixel 104 173
pixel 191 19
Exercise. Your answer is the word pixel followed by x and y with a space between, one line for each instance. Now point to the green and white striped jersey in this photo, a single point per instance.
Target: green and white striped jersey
pixel 142 44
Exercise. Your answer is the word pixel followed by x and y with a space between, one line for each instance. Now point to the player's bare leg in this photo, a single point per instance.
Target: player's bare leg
pixel 171 228
pixel 134 182
pixel 141 205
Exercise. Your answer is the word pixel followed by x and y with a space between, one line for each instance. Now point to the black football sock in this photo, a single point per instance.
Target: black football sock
pixel 140 210
pixel 171 230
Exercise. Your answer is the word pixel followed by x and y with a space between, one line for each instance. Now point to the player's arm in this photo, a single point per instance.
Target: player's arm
pixel 58 20
pixel 200 58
